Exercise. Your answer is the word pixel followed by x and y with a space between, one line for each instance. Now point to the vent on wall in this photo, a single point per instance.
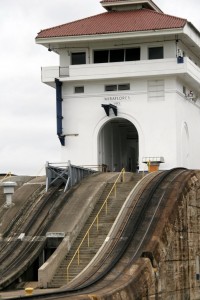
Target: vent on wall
pixel 156 90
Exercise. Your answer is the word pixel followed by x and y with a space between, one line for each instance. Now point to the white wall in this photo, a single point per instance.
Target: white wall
pixel 154 119
pixel 167 124
pixel 187 132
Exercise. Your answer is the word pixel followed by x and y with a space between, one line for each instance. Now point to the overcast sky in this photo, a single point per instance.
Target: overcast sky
pixel 27 113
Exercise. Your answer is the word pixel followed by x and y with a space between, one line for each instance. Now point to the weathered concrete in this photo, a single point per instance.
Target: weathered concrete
pixel 171 269
pixel 71 220
pixel 26 187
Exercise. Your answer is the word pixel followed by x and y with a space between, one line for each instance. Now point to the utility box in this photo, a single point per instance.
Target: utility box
pixel 8 189
pixel 153 163
pixel 180 60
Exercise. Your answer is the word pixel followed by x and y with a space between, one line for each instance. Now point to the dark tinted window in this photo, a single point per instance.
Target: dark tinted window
pixel 111 87
pixel 78 58
pixel 155 52
pixel 101 56
pixel 117 87
pixel 123 87
pixel 116 55
pixel 132 54
pixel 79 89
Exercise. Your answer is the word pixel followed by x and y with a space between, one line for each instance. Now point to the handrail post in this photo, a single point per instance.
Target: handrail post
pixel 70 175
pixel 122 175
pixel 78 257
pixel 67 274
pixel 97 222
pixel 115 191
pixel 88 238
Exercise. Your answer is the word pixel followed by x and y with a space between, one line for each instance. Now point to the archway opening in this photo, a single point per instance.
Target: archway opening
pixel 118 145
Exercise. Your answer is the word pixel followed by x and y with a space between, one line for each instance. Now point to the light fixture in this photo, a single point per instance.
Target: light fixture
pixel 49 49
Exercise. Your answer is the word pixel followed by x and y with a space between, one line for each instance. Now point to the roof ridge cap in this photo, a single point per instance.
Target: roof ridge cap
pixel 162 13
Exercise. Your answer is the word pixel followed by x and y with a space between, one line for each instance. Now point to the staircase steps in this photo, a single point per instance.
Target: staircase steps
pixel 97 237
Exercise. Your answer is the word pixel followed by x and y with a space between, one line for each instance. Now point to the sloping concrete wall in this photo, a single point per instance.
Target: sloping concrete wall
pixel 71 220
pixel 171 267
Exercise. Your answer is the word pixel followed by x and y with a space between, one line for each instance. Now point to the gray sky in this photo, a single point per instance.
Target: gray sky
pixel 27 112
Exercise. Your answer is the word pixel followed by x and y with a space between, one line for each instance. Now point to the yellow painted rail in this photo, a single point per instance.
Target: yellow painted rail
pixel 95 222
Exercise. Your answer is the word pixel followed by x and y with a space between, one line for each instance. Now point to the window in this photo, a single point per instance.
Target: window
pixel 101 56
pixel 124 87
pixel 78 89
pixel 132 54
pixel 116 55
pixel 112 87
pixel 78 58
pixel 155 52
pixel 117 87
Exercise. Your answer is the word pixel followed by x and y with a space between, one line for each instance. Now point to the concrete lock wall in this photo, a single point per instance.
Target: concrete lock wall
pixel 173 270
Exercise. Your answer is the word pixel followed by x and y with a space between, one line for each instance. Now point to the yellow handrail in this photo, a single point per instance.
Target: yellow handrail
pixel 96 220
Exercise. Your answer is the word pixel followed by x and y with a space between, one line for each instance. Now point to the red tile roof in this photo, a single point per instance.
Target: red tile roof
pixel 115 22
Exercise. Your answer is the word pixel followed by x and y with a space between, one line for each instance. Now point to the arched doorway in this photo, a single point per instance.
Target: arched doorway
pixel 118 145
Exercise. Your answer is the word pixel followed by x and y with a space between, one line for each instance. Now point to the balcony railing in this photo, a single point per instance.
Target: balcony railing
pixel 49 74
pixel 135 69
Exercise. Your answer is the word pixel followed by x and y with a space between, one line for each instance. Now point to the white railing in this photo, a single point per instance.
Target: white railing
pixel 49 74
pixel 158 67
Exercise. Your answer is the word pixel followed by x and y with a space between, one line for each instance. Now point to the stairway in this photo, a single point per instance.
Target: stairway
pixel 97 237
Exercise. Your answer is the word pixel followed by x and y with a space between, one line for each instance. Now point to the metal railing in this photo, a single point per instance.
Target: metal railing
pixel 65 172
pixel 95 221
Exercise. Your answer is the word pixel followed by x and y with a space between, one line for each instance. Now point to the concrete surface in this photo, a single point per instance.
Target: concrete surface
pixel 71 220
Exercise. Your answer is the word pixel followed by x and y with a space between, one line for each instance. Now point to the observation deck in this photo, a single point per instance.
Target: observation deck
pixel 187 70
